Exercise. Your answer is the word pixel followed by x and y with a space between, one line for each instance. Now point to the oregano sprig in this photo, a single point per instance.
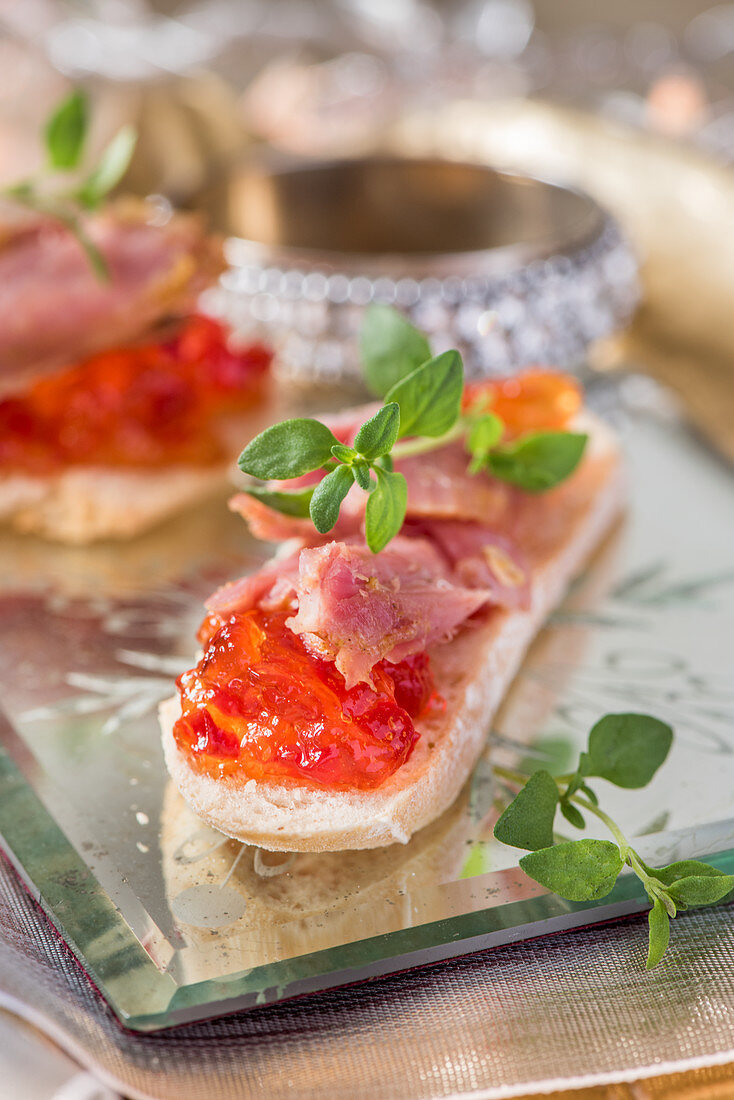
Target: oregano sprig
pixel 421 412
pixel 625 750
pixel 65 136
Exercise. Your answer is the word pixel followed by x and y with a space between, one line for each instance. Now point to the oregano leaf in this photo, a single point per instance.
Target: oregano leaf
pixel 695 890
pixel 538 461
pixel 627 749
pixel 575 784
pixel 362 475
pixel 684 868
pixel 386 506
pixel 66 131
pixel 579 870
pixel 484 434
pixel 430 397
pixel 328 496
pixel 584 767
pixel 289 449
pixel 528 820
pixel 659 933
pixel 377 435
pixel 390 347
pixel 295 504
pixel 589 794
pixel 573 815
pixel 343 453
pixel 112 166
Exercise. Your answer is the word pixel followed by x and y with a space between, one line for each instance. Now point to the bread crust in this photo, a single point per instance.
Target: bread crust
pixel 472 672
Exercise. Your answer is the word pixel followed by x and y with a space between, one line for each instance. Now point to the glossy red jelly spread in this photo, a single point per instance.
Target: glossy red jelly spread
pixel 150 405
pixel 258 705
pixel 535 400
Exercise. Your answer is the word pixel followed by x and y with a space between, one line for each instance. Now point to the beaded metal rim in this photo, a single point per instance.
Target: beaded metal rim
pixel 502 308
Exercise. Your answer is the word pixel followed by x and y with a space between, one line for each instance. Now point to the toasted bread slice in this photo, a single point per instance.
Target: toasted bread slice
pixel 85 504
pixel 472 672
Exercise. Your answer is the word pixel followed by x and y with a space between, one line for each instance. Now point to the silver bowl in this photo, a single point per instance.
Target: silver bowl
pixel 512 270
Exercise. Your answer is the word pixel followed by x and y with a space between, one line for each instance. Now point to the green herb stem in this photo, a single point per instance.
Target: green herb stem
pixel 423 445
pixel 621 839
pixel 518 778
pixel 65 136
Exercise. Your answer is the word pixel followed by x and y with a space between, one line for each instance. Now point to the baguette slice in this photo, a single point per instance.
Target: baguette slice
pixel 472 672
pixel 85 504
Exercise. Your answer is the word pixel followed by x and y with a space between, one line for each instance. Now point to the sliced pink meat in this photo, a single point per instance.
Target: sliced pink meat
pixel 272 588
pixel 440 487
pixel 54 310
pixel 271 526
pixel 267 524
pixel 480 558
pixel 357 608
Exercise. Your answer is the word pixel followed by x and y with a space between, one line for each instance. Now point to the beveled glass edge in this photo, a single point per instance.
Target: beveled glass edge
pixel 420 945
pixel 106 947
pixel 146 999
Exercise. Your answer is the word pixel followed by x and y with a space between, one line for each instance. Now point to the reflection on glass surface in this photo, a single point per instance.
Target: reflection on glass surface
pixel 176 922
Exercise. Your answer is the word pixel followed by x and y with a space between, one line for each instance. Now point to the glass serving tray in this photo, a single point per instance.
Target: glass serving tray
pixel 173 922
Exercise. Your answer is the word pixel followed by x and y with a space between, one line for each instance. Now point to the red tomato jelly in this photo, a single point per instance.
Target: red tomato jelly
pixel 258 705
pixel 535 400
pixel 154 404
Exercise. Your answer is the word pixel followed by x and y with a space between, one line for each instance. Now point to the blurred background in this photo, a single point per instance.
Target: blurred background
pixel 204 80
pixel 633 101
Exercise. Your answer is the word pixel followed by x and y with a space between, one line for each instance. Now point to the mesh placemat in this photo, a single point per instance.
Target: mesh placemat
pixel 568 1009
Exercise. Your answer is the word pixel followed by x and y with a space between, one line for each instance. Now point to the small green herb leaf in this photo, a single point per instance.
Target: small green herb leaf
pixel 328 496
pixel 684 868
pixel 579 870
pixel 21 192
pixel 484 434
pixel 589 794
pixel 528 820
pixel 573 815
pixel 386 507
pixel 66 130
pixel 694 890
pixel 342 453
pixel 390 347
pixel 659 925
pixel 289 449
pixel 538 461
pixel 112 166
pixel 552 753
pixel 377 435
pixel 289 504
pixel 361 472
pixel 627 749
pixel 430 397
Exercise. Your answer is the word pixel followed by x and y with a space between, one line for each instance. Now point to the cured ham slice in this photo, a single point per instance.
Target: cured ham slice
pixel 358 608
pixel 271 526
pixel 480 558
pixel 54 309
pixel 270 588
pixel 440 487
